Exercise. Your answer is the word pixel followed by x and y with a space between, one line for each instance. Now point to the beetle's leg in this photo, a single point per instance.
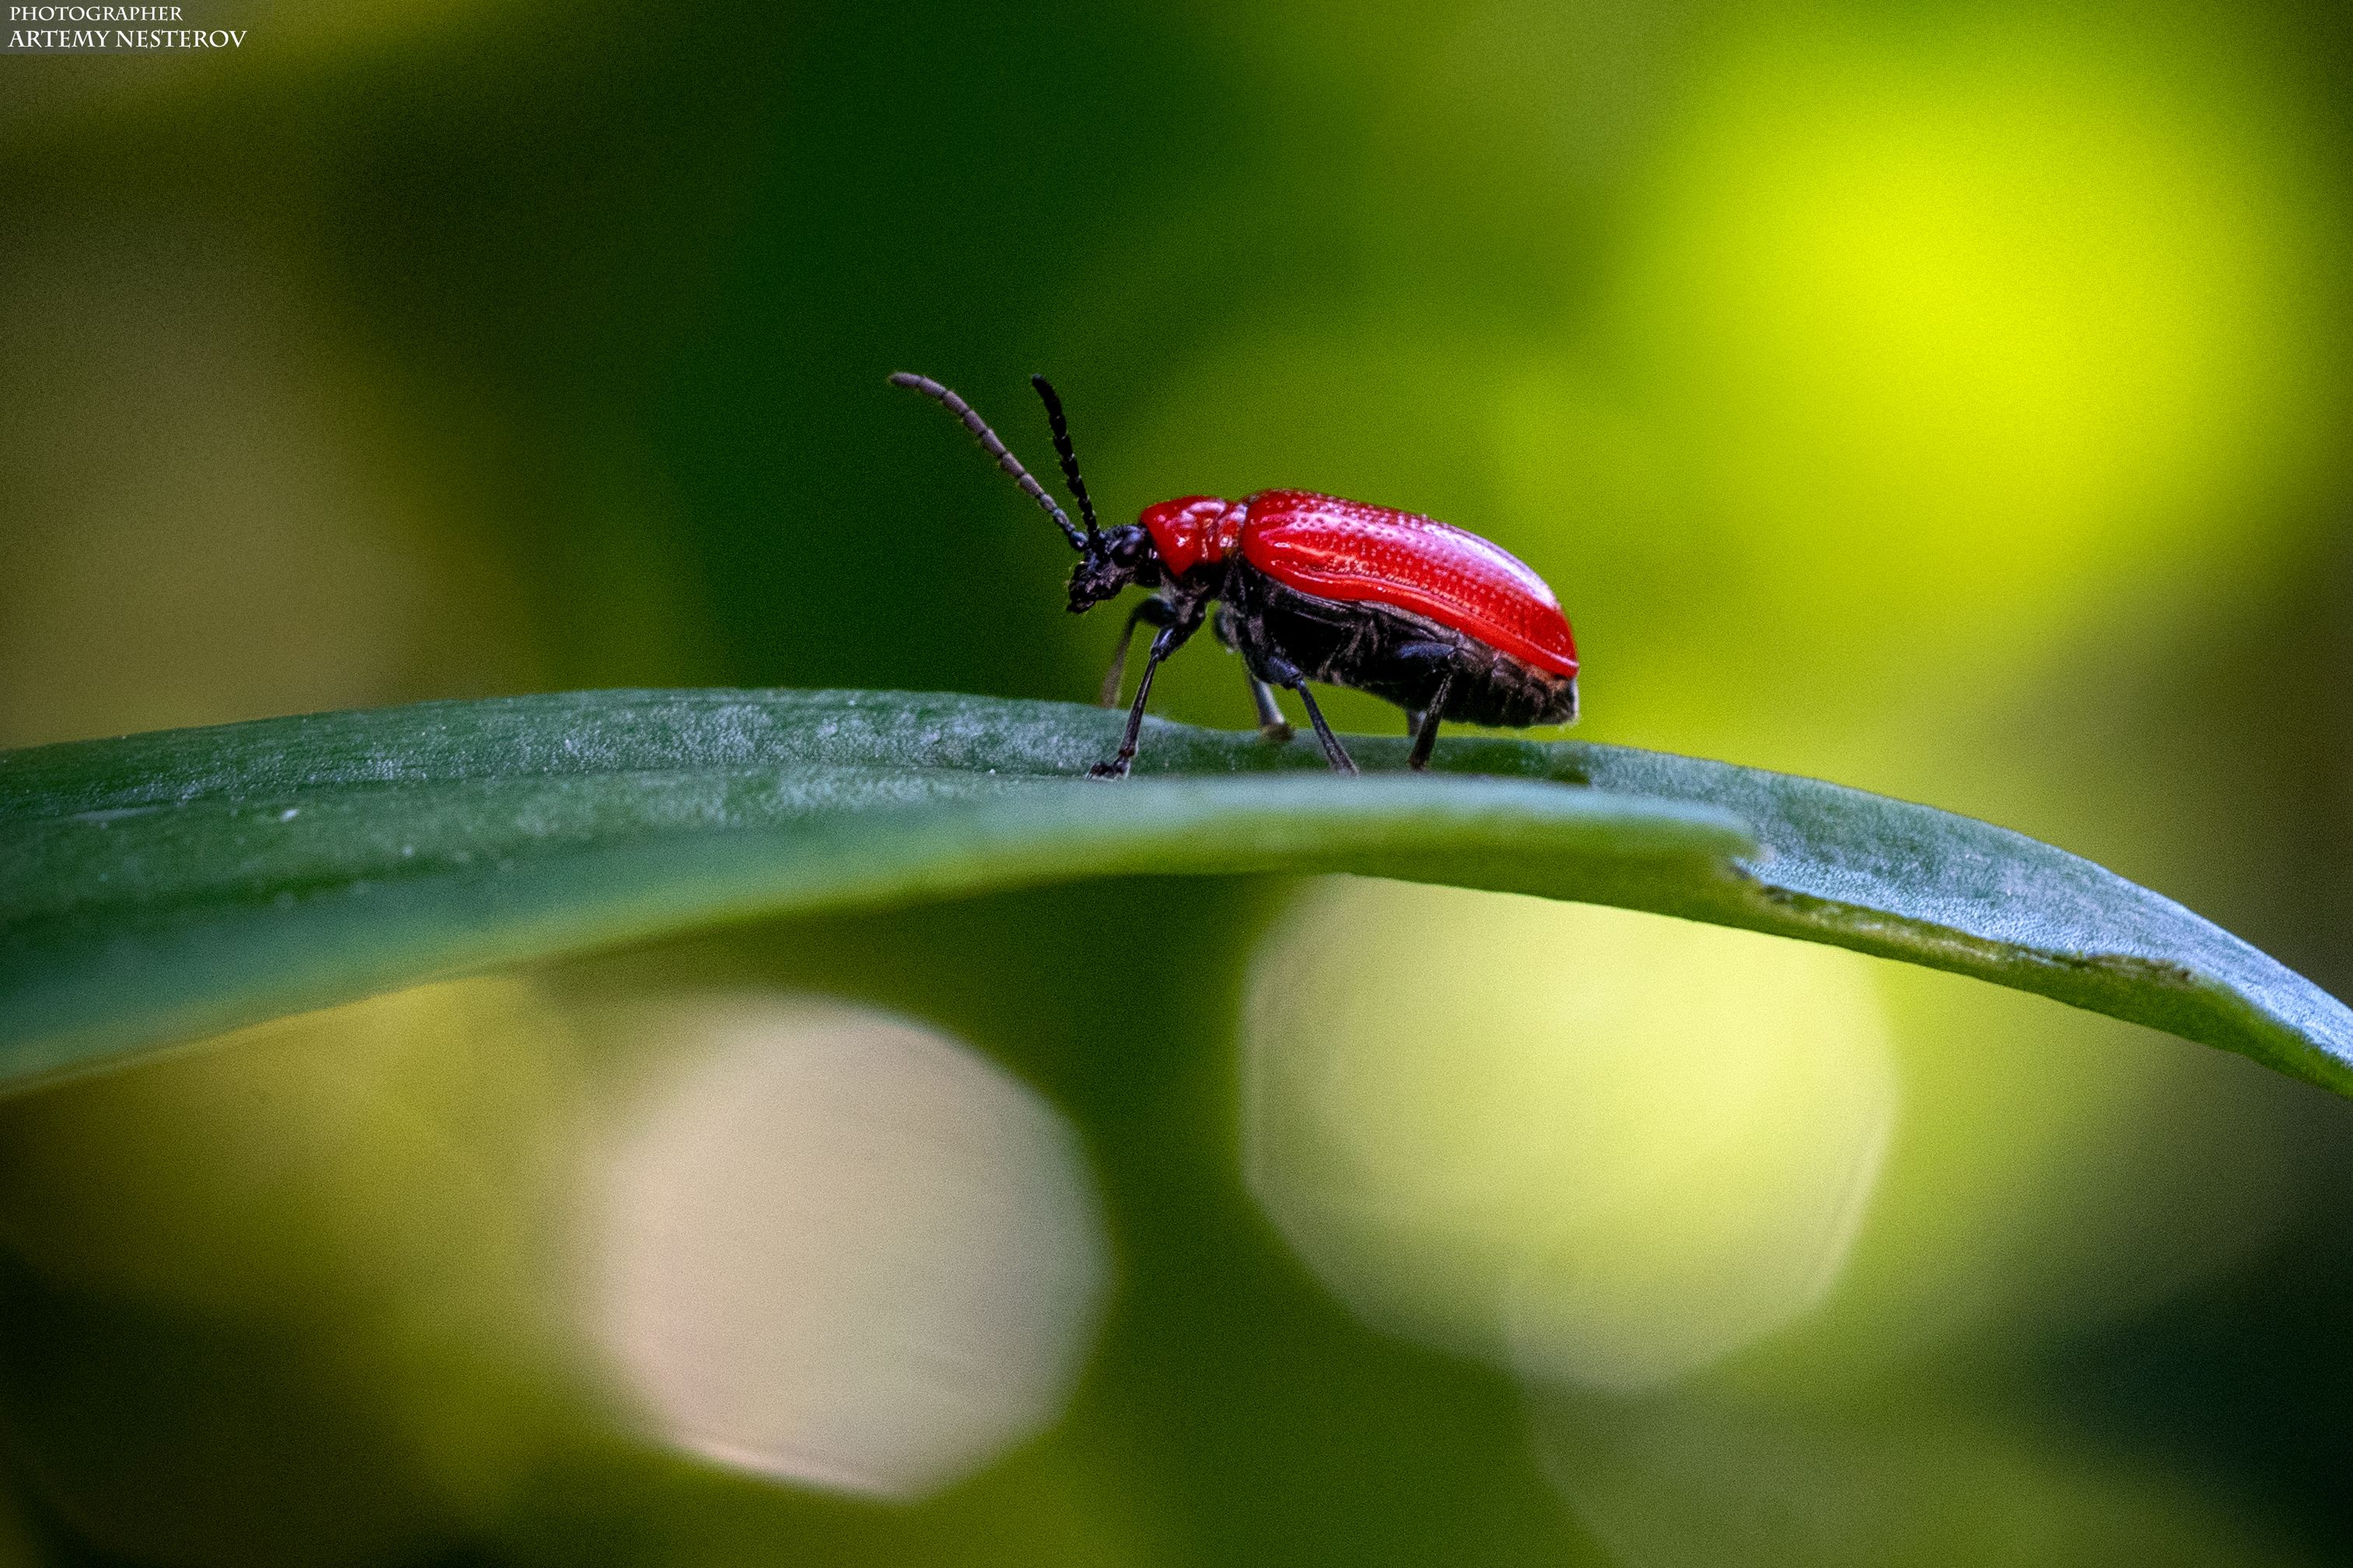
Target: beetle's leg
pixel 1270 722
pixel 1157 611
pixel 1425 734
pixel 1421 721
pixel 1332 752
pixel 1117 767
pixel 1172 637
pixel 1286 673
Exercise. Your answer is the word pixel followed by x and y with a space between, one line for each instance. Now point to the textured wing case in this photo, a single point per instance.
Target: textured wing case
pixel 1346 549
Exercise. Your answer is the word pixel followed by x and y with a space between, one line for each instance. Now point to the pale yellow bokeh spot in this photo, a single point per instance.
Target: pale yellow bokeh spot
pixel 1601 1147
pixel 836 1247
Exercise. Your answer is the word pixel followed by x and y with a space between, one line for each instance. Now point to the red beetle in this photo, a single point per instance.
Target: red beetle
pixel 1311 588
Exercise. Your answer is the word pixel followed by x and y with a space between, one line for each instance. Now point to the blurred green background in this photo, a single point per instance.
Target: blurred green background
pixel 1946 397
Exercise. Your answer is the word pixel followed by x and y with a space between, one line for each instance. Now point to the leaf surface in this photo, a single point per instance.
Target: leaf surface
pixel 164 886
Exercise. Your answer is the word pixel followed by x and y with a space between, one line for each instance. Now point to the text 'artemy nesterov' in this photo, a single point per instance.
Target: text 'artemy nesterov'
pixel 110 29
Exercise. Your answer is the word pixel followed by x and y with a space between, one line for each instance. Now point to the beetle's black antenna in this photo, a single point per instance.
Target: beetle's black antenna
pixel 989 443
pixel 1062 448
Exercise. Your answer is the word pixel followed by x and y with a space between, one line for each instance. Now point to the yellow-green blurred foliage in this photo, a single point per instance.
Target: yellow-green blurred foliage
pixel 236 1246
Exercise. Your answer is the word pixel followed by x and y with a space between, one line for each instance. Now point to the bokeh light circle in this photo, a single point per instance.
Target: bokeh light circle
pixel 1603 1148
pixel 840 1249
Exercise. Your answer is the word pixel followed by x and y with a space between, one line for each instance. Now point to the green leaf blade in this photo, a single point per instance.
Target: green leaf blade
pixel 159 886
pixel 1907 881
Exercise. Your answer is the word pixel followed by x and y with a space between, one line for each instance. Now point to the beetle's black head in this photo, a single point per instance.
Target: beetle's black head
pixel 1110 561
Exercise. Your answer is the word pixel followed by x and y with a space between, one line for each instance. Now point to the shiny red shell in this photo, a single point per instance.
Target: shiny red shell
pixel 1193 530
pixel 1344 550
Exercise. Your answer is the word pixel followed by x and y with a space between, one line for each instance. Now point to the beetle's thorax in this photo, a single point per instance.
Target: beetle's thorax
pixel 1173 541
pixel 1194 530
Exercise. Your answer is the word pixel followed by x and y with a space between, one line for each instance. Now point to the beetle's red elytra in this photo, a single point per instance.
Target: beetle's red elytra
pixel 1310 587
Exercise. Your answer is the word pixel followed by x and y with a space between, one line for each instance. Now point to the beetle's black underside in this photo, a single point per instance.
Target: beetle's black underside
pixel 1391 653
